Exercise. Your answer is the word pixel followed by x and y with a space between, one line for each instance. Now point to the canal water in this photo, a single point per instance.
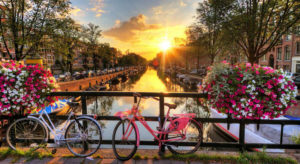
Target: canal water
pixel 146 81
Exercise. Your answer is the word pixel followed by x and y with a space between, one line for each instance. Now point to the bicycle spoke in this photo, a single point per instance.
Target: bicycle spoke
pixel 83 137
pixel 124 140
pixel 26 133
pixel 192 133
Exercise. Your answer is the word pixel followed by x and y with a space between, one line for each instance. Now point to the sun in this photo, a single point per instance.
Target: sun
pixel 165 45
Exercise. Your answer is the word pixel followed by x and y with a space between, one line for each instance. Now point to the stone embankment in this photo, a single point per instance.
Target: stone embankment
pixel 82 84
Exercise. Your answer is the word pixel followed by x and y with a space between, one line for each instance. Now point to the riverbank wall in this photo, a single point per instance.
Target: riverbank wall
pixel 83 84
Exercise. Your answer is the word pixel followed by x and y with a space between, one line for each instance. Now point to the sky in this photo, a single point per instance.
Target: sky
pixel 140 26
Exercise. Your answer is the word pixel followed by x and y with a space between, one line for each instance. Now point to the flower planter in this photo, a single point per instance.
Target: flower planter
pixel 249 92
pixel 24 87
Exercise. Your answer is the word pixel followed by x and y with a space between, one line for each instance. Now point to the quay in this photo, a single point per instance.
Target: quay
pixel 83 84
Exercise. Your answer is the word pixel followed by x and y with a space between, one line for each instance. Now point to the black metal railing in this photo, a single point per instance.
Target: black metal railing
pixel 241 144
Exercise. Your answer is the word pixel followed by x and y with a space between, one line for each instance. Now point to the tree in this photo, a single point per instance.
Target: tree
pixel 132 59
pixel 258 25
pixel 66 37
pixel 193 34
pixel 210 20
pixel 91 35
pixel 25 22
pixel 104 52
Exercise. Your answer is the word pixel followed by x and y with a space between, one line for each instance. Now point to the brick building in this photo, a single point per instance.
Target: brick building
pixel 286 54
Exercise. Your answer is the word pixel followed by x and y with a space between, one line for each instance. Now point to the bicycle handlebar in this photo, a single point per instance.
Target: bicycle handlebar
pixel 76 99
pixel 173 106
pixel 144 97
pixel 137 94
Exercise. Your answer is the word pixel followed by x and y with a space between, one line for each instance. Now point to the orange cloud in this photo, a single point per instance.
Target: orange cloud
pixel 136 35
pixel 98 5
pixel 128 30
pixel 75 11
pixel 182 4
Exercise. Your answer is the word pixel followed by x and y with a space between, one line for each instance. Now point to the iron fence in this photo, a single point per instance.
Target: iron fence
pixel 241 144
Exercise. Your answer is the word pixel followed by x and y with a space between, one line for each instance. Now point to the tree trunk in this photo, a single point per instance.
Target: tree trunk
pixel 17 56
pixel 212 58
pixel 71 68
pixel 253 59
pixel 198 59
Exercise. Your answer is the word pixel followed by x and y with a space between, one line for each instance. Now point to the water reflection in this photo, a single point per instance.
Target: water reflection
pixel 147 81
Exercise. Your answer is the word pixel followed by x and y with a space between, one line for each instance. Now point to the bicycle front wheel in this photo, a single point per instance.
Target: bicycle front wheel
pixel 83 137
pixel 192 134
pixel 26 133
pixel 124 140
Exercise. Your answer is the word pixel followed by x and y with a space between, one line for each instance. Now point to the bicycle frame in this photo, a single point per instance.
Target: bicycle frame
pixel 54 131
pixel 163 132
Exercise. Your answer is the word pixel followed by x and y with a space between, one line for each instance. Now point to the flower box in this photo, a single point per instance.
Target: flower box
pixel 24 88
pixel 249 92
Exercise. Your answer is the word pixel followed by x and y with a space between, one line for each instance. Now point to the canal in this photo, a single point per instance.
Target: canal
pixel 147 81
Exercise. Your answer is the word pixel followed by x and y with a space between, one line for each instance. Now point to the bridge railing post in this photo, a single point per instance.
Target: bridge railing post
pixel 162 116
pixel 242 136
pixel 83 103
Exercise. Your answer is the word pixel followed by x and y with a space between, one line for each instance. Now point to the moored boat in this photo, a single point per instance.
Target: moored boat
pixel 115 80
pixel 250 135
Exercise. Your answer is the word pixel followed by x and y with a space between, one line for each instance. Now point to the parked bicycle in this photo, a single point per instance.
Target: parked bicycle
pixel 174 131
pixel 82 134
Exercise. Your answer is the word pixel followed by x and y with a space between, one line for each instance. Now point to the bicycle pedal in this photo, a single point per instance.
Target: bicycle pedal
pixel 161 153
pixel 54 151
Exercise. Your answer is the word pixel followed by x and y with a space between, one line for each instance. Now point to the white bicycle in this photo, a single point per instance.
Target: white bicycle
pixel 82 134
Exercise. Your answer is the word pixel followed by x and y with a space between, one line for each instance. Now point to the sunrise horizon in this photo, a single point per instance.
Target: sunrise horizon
pixel 139 28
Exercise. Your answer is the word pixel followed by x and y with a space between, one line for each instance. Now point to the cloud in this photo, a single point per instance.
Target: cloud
pixel 164 10
pixel 157 10
pixel 182 4
pixel 76 12
pixel 128 30
pixel 117 22
pixel 97 7
pixel 147 43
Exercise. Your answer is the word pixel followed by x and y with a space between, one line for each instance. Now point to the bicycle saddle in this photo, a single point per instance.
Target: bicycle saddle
pixel 73 104
pixel 171 106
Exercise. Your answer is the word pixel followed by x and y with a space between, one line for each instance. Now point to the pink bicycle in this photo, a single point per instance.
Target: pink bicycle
pixel 177 129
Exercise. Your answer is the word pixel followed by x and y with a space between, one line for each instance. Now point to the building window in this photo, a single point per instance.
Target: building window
pixel 279 53
pixel 288 37
pixel 298 48
pixel 286 68
pixel 287 55
pixel 297 30
pixel 298 67
pixel 264 58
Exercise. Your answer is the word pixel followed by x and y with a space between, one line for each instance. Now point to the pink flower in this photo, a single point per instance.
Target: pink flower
pixel 248 64
pixel 224 62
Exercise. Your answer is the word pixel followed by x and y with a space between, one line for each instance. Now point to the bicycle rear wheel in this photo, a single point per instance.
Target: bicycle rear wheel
pixel 193 135
pixel 124 140
pixel 26 133
pixel 83 137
